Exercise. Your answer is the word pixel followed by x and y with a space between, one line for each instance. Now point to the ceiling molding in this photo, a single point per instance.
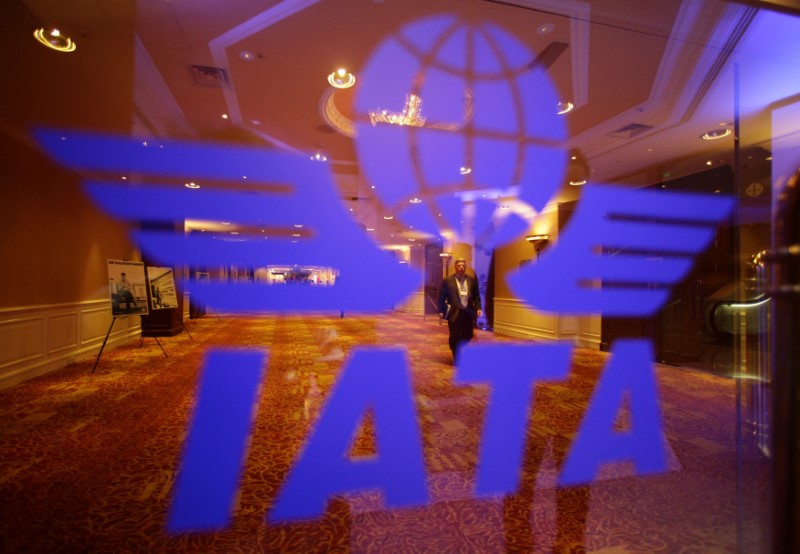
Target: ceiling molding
pixel 728 34
pixel 153 103
pixel 578 13
pixel 219 52
pixel 689 67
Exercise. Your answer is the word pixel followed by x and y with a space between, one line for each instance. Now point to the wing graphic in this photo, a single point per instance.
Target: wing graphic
pixel 621 251
pixel 284 191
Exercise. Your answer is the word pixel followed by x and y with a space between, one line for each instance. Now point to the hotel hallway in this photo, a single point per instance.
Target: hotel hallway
pixel 88 460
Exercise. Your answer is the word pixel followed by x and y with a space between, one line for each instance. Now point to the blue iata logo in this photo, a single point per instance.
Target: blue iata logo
pixel 463 114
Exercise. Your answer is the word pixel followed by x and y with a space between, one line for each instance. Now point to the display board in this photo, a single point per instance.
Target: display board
pixel 162 288
pixel 127 287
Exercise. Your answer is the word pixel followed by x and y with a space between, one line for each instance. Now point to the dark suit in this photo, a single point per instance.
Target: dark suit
pixel 460 318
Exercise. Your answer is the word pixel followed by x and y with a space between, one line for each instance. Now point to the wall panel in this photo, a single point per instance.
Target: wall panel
pixel 37 339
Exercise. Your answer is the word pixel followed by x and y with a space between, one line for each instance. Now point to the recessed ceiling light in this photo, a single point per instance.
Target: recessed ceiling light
pixel 545 29
pixel 388 217
pixel 255 122
pixel 465 170
pixel 54 40
pixel 564 107
pixel 370 228
pixel 224 116
pixel 298 225
pixel 709 162
pixel 716 134
pixel 124 178
pixel 578 183
pixel 192 185
pixel 247 56
pixel 341 78
pixel 416 200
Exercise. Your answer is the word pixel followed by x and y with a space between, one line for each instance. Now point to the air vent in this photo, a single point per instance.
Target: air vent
pixel 209 76
pixel 630 131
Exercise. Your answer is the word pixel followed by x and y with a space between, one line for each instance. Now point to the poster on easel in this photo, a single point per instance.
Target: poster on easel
pixel 162 288
pixel 127 287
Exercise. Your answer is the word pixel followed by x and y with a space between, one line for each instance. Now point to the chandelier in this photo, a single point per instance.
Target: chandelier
pixel 410 116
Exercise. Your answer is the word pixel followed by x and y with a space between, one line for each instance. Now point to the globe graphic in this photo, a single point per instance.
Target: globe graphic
pixel 449 114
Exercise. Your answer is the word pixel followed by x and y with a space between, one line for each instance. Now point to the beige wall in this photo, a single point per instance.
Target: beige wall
pixel 512 317
pixel 55 243
pixel 54 301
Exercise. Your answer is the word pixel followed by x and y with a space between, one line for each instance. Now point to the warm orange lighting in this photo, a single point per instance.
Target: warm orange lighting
pixel 341 78
pixel 55 40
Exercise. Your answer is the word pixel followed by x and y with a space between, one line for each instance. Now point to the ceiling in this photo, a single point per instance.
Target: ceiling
pixel 647 77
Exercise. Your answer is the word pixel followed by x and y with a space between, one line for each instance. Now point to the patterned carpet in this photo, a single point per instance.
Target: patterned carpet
pixel 88 461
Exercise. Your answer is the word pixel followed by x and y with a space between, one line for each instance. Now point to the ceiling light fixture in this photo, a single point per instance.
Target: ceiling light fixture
pixel 465 170
pixel 388 217
pixel 341 78
pixel 54 40
pixel 411 115
pixel 247 56
pixel 577 168
pixel 192 185
pixel 564 107
pixel 545 29
pixel 318 157
pixel 416 200
pixel 716 134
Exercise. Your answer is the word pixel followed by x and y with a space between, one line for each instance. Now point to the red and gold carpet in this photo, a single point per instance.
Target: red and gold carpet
pixel 88 460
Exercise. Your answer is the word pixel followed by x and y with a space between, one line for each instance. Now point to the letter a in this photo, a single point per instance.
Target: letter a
pixel 631 370
pixel 371 378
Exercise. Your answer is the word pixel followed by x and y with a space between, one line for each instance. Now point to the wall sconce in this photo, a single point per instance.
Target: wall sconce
pixel 538 242
pixel 445 256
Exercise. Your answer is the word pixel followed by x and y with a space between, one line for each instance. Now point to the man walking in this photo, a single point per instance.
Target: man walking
pixel 460 304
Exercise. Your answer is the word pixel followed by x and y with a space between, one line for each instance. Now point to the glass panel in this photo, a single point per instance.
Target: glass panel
pixel 619 393
pixel 768 154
